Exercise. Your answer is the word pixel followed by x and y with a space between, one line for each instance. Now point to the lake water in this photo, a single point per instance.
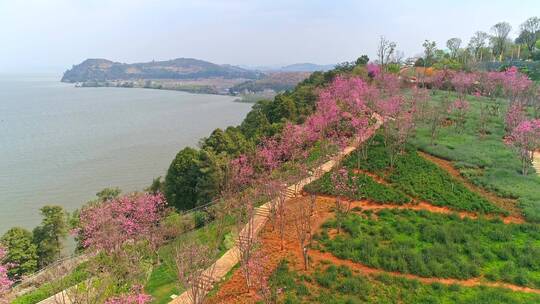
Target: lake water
pixel 60 144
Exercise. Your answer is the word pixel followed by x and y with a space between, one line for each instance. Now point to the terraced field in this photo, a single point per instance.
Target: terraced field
pixel 420 232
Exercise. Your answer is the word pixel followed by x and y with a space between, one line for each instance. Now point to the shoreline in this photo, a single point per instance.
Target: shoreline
pixel 238 97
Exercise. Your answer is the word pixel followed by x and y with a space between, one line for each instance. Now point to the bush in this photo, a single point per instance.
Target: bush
pixel 200 218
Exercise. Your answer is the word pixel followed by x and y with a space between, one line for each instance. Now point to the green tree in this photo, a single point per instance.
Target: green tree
pixel 529 33
pixel 108 194
pixel 453 45
pixel 231 141
pixel 22 253
pixel 181 179
pixel 283 108
pixel 430 47
pixel 499 39
pixel 156 186
pixel 50 234
pixel 362 60
pixel 256 124
pixel 212 172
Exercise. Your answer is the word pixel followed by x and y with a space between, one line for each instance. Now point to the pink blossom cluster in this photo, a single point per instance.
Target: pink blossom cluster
pixel 373 70
pixel 525 138
pixel 388 84
pixel 515 84
pixel 108 225
pixel 441 79
pixel 242 171
pixel 459 105
pixel 5 281
pixel 344 101
pixel 341 111
pixel 464 82
pixel 135 297
pixel 340 180
pixel 514 116
pixel 511 82
pixel 527 134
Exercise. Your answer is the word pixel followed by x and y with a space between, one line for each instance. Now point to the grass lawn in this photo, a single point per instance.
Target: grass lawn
pixel 163 281
pixel 486 161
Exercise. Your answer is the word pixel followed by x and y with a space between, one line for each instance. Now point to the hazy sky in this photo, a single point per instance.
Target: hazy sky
pixel 51 35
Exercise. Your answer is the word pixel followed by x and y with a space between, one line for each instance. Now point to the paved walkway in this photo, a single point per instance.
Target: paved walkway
pixel 536 162
pixel 224 264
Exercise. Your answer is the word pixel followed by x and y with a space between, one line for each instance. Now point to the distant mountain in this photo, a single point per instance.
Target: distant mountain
pixel 180 68
pixel 306 67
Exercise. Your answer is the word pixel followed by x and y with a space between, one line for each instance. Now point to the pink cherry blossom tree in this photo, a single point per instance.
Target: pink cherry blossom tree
pixel 398 126
pixel 195 268
pixel 373 70
pixel 242 172
pixel 525 138
pixel 459 108
pixel 515 115
pixel 136 296
pixel 341 182
pixel 516 85
pixel 108 225
pixel 463 83
pixel 261 280
pixel 5 281
pixel 303 226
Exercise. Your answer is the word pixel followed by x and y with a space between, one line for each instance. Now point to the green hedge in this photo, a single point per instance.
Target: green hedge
pixel 367 189
pixel 339 284
pixel 437 245
pixel 422 179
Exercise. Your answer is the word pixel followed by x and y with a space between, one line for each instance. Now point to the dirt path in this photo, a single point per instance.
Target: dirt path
pixel 234 290
pixel 368 205
pixel 504 203
pixel 423 205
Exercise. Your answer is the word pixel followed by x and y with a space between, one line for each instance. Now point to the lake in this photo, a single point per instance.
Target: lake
pixel 60 144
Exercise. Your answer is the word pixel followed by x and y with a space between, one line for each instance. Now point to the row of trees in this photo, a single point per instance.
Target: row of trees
pixel 197 176
pixel 493 46
pixel 482 47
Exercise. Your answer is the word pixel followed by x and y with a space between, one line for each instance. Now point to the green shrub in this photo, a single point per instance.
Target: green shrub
pixel 422 179
pixel 437 245
pixel 339 285
pixel 366 187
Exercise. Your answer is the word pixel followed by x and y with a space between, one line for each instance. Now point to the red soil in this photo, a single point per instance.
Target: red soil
pixel 234 290
pixel 504 203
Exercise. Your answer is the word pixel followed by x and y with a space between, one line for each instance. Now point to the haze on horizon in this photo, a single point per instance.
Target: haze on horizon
pixel 50 36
